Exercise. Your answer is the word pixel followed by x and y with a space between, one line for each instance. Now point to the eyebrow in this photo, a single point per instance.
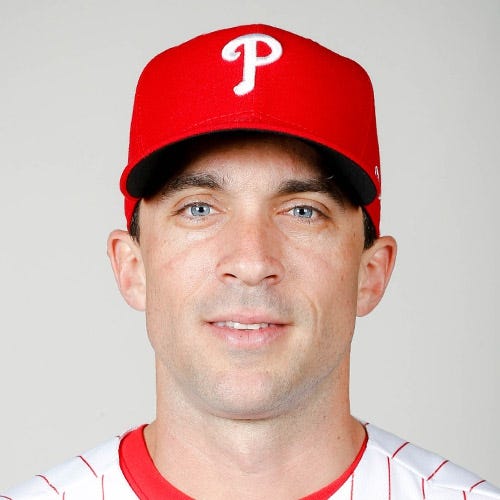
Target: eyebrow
pixel 314 185
pixel 185 181
pixel 291 186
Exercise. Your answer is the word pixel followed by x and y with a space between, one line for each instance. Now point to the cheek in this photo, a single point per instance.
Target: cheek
pixel 327 278
pixel 176 257
pixel 327 265
pixel 176 270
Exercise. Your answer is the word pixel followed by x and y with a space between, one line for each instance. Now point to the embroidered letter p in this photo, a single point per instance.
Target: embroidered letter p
pixel 251 61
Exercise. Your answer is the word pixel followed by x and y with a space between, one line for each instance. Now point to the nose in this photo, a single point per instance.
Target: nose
pixel 251 254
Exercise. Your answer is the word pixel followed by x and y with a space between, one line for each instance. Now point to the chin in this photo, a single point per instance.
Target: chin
pixel 256 397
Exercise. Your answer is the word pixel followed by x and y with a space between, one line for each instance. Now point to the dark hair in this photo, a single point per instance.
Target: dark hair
pixel 370 233
pixel 134 223
pixel 181 154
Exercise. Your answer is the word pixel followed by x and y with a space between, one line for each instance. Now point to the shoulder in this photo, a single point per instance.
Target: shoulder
pixel 405 466
pixel 86 477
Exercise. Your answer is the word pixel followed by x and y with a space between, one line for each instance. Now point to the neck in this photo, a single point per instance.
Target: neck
pixel 311 445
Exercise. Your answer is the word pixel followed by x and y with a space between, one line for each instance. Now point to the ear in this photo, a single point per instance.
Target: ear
pixel 377 263
pixel 126 261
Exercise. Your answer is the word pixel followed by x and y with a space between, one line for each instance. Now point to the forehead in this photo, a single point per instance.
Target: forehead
pixel 253 156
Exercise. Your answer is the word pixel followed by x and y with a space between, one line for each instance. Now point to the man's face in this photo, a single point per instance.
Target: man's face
pixel 251 270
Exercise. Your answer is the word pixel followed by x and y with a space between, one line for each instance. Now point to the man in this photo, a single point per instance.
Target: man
pixel 252 198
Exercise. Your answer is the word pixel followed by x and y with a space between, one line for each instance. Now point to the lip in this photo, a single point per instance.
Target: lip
pixel 247 318
pixel 263 330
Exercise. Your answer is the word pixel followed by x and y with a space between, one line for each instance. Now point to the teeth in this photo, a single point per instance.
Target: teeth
pixel 241 326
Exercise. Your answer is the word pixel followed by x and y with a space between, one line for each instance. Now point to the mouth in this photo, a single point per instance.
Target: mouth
pixel 247 334
pixel 242 326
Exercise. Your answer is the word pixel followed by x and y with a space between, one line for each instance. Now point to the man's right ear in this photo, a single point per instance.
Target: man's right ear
pixel 126 261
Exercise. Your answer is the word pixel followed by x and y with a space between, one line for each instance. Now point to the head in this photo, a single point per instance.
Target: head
pixel 253 242
pixel 251 268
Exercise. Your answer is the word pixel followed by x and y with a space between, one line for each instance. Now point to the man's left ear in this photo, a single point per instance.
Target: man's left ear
pixel 377 263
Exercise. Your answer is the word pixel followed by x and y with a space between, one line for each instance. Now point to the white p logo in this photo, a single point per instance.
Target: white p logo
pixel 250 59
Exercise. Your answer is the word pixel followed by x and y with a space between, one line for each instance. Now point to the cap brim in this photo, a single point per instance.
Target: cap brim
pixel 150 173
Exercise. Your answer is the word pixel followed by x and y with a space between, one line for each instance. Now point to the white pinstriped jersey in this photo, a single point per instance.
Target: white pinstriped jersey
pixel 390 469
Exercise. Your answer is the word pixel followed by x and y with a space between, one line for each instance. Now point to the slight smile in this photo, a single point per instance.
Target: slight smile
pixel 242 326
pixel 247 335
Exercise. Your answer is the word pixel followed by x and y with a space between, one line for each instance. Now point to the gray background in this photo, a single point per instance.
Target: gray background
pixel 76 366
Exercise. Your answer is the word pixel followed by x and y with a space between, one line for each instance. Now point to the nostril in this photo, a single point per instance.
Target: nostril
pixel 250 270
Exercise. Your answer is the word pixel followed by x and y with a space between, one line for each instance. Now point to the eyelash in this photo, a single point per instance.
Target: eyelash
pixel 184 208
pixel 315 212
pixel 304 208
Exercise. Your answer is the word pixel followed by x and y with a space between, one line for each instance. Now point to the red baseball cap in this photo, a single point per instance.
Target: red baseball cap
pixel 258 78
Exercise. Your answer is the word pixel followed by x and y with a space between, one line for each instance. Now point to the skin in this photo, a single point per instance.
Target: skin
pixel 247 234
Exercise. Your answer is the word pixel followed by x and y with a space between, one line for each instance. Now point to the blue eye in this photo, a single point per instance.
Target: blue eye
pixel 199 209
pixel 303 212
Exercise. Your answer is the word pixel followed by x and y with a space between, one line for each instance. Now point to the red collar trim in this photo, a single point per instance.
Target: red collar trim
pixel 148 484
pixel 326 492
pixel 140 471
